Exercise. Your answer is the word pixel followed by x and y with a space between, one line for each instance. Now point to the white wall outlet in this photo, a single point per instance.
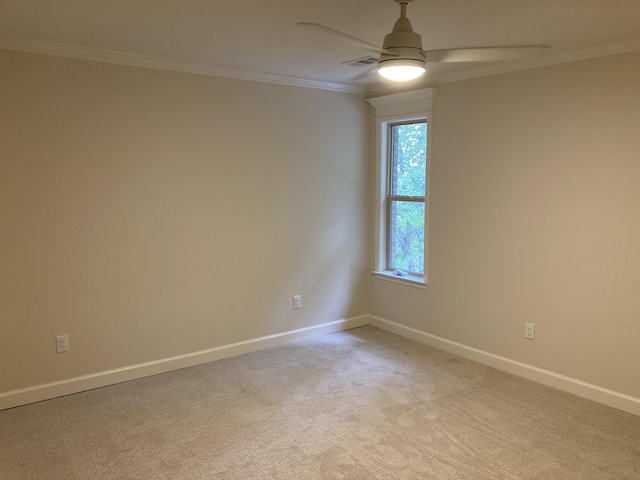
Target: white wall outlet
pixel 297 301
pixel 529 330
pixel 62 343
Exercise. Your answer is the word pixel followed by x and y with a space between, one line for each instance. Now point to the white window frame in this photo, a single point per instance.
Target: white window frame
pixel 391 109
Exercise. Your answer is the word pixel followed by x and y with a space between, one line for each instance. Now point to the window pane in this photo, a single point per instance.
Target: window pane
pixel 409 159
pixel 406 242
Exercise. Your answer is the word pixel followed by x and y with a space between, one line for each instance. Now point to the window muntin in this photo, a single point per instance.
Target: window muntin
pixel 406 193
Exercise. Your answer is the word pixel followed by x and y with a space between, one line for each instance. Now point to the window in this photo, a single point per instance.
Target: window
pixel 407 177
pixel 402 196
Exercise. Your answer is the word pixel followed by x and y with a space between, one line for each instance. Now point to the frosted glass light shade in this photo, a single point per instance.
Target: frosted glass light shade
pixel 401 70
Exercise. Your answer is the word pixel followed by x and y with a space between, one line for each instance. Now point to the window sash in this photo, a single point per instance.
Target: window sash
pixel 390 243
pixel 390 155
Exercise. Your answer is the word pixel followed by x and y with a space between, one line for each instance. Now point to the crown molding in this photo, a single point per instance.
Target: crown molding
pixel 500 68
pixel 159 63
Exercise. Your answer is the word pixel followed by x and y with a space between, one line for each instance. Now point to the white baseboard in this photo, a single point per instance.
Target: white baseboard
pixel 47 391
pixel 545 377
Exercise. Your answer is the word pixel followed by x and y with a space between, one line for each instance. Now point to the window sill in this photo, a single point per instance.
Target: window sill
pixel 410 280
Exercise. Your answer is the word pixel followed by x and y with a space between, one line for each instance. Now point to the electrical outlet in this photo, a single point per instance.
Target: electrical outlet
pixel 62 343
pixel 297 301
pixel 529 329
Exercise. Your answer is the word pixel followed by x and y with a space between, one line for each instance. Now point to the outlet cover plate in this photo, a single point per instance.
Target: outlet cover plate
pixel 62 343
pixel 529 330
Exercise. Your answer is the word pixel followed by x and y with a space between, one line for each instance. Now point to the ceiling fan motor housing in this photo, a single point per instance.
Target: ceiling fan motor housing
pixel 402 43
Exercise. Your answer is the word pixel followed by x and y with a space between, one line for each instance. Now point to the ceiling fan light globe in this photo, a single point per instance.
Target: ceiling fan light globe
pixel 401 70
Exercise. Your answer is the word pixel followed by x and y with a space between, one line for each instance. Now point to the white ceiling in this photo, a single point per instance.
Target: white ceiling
pixel 259 39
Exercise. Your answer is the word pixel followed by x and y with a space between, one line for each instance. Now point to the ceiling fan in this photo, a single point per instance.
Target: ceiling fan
pixel 402 57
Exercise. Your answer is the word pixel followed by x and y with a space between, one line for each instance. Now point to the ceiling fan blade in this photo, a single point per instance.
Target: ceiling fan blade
pixel 354 40
pixel 485 54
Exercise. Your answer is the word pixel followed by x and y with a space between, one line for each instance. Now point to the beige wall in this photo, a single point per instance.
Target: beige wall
pixel 149 214
pixel 535 217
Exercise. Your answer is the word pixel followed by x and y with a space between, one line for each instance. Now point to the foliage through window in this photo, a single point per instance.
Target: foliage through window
pixel 406 191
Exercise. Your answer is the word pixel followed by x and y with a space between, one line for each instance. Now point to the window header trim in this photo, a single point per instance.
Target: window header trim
pixel 404 105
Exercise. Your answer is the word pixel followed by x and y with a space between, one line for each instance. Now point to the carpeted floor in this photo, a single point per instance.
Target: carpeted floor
pixel 361 404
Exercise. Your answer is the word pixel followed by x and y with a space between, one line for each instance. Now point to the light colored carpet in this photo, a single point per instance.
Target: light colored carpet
pixel 361 404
